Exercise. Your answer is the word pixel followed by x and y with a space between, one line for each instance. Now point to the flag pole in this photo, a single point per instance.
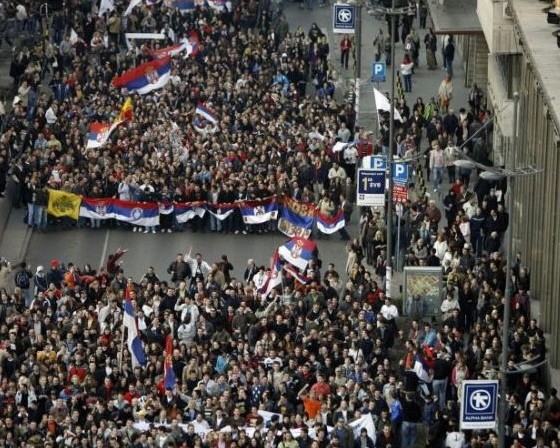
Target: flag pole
pixel 121 352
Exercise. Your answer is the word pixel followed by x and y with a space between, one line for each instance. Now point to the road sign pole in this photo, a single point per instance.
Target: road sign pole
pixel 389 211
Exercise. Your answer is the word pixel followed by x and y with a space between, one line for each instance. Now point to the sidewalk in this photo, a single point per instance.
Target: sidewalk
pixel 425 83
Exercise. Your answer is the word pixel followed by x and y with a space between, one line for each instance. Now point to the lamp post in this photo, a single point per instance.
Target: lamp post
pixel 393 12
pixel 511 172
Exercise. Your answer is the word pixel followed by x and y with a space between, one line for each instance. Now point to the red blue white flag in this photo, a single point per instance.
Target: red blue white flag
pixel 169 380
pixel 146 77
pixel 298 252
pixel 133 339
pixel 330 225
pixel 99 134
pixel 207 113
pixel 274 275
pixel 136 213
pixel 258 212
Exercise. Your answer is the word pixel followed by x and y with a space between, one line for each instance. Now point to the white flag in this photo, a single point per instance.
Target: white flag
pixel 73 37
pixel 105 6
pixel 382 103
pixel 131 6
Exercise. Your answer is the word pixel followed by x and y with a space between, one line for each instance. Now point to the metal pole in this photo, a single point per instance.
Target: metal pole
pixel 389 211
pixel 398 248
pixel 508 289
pixel 358 42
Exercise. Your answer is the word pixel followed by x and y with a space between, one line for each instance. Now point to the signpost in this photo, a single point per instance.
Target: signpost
pixel 479 404
pixel 378 72
pixel 370 188
pixel 400 169
pixel 344 18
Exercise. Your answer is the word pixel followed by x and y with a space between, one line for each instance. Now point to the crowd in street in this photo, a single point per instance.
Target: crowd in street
pixel 290 369
pixel 272 92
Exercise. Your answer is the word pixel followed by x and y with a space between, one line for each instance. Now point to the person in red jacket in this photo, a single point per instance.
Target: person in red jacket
pixel 345 47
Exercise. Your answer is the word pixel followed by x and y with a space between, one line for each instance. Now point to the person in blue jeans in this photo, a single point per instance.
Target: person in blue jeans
pixel 407 65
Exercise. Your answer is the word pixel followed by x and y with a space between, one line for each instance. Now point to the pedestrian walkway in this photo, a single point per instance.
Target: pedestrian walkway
pixel 425 83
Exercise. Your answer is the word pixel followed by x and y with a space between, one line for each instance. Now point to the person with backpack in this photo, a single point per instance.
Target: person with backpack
pixel 22 280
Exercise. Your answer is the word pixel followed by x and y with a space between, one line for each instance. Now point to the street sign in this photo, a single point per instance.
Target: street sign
pixel 378 72
pixel 370 188
pixel 400 169
pixel 479 404
pixel 400 193
pixel 344 18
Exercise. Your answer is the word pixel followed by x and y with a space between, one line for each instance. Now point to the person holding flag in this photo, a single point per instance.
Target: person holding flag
pixel 133 335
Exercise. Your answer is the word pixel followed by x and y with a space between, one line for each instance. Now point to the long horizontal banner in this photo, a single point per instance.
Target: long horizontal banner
pixel 295 219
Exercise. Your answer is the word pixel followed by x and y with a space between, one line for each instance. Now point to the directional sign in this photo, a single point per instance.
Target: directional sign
pixel 370 188
pixel 400 169
pixel 344 18
pixel 378 72
pixel 479 404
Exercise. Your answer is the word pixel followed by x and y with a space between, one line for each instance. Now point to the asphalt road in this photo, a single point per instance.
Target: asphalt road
pixel 93 246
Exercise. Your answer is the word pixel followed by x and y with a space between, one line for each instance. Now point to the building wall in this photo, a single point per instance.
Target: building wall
pixel 536 214
pixel 537 205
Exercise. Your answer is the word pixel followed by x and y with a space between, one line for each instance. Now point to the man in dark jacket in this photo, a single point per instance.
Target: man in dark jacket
pixel 180 270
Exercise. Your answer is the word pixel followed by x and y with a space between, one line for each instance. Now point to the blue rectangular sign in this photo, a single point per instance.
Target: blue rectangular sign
pixel 370 188
pixel 479 404
pixel 344 18
pixel 378 72
pixel 400 169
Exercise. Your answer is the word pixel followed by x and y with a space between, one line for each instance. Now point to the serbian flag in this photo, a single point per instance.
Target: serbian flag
pixel 421 369
pixel 97 208
pixel 258 212
pixel 298 251
pixel 99 134
pixel 185 5
pixel 330 225
pixel 296 275
pixel 146 77
pixel 186 211
pixel 133 339
pixel 169 380
pixel 274 275
pixel 126 111
pixel 221 211
pixel 193 44
pixel 218 5
pixel 207 113
pixel 172 50
pixel 137 213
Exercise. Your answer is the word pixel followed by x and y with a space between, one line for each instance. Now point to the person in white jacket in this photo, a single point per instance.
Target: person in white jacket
pixel 407 65
pixel 199 268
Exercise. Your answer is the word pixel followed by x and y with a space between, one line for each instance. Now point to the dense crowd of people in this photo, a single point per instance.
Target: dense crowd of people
pixel 293 368
pixel 272 92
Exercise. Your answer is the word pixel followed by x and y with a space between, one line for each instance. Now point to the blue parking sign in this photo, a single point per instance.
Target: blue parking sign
pixel 400 169
pixel 378 72
pixel 344 18
pixel 479 404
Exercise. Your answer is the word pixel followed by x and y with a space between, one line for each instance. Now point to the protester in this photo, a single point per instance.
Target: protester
pixel 229 361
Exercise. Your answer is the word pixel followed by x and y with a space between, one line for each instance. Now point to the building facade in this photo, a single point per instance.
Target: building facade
pixel 524 57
